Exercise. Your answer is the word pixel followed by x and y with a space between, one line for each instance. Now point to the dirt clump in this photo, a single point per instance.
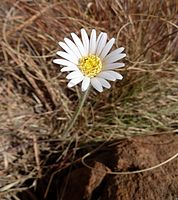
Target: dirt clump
pixel 97 183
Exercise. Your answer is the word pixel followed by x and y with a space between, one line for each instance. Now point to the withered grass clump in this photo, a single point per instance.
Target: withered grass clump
pixel 36 105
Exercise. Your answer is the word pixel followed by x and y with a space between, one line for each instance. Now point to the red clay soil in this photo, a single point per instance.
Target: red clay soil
pixel 82 183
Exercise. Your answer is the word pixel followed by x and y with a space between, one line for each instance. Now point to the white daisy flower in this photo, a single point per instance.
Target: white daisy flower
pixel 88 60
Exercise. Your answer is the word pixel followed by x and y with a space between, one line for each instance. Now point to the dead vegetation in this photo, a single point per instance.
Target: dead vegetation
pixel 35 104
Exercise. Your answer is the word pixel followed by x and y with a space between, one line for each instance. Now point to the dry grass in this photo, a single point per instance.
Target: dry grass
pixel 35 104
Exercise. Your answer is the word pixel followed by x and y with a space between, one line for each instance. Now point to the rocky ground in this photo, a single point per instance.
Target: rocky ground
pixel 79 182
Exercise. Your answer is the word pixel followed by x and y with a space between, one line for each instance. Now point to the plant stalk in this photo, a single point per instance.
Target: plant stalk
pixel 77 112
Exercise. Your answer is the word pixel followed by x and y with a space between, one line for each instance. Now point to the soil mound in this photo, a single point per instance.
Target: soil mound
pixel 81 183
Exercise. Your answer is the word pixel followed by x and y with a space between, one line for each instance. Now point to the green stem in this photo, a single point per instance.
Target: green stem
pixel 77 112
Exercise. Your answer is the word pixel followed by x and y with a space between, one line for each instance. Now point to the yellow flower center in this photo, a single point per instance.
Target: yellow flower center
pixel 90 65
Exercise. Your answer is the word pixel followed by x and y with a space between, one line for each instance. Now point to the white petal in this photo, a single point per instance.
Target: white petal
pixel 107 48
pixel 114 57
pixel 99 38
pixel 85 40
pixel 78 44
pixel 92 42
pixel 67 49
pixel 101 44
pixel 114 53
pixel 106 75
pixel 75 81
pixel 70 68
pixel 115 74
pixel 85 83
pixel 103 82
pixel 75 74
pixel 63 62
pixel 68 57
pixel 73 47
pixel 113 65
pixel 96 84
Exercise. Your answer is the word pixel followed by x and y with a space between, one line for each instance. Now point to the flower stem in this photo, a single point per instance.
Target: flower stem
pixel 77 112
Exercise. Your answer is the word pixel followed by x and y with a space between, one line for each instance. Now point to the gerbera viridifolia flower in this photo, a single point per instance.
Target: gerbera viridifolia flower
pixel 89 60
